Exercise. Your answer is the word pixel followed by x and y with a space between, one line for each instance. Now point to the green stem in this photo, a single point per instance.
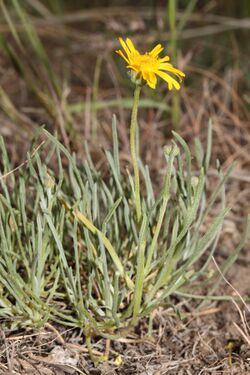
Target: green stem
pixel 133 150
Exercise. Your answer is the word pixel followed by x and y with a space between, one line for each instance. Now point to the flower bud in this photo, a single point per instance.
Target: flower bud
pixel 49 181
pixel 194 181
pixel 173 148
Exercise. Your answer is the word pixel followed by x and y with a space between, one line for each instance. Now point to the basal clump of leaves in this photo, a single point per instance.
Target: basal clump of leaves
pixel 72 249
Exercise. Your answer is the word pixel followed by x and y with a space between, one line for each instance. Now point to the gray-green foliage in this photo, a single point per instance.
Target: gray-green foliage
pixel 70 247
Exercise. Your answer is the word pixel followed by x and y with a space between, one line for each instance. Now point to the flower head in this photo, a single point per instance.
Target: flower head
pixel 149 65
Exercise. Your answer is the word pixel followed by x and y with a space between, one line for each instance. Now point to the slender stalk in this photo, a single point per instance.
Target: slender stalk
pixel 134 151
pixel 95 98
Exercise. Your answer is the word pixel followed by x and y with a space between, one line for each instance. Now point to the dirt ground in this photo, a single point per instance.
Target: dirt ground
pixel 199 344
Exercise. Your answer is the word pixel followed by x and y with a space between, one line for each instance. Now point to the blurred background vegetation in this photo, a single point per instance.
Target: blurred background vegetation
pixel 59 68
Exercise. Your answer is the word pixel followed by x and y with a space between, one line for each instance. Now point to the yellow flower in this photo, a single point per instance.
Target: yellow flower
pixel 148 66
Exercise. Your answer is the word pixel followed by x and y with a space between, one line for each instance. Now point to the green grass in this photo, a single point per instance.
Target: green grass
pixel 72 251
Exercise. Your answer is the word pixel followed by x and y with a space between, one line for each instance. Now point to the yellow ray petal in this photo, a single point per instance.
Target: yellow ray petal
pixel 124 46
pixel 170 68
pixel 156 50
pixel 151 85
pixel 131 46
pixel 165 58
pixel 144 75
pixel 170 80
pixel 152 80
pixel 122 55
